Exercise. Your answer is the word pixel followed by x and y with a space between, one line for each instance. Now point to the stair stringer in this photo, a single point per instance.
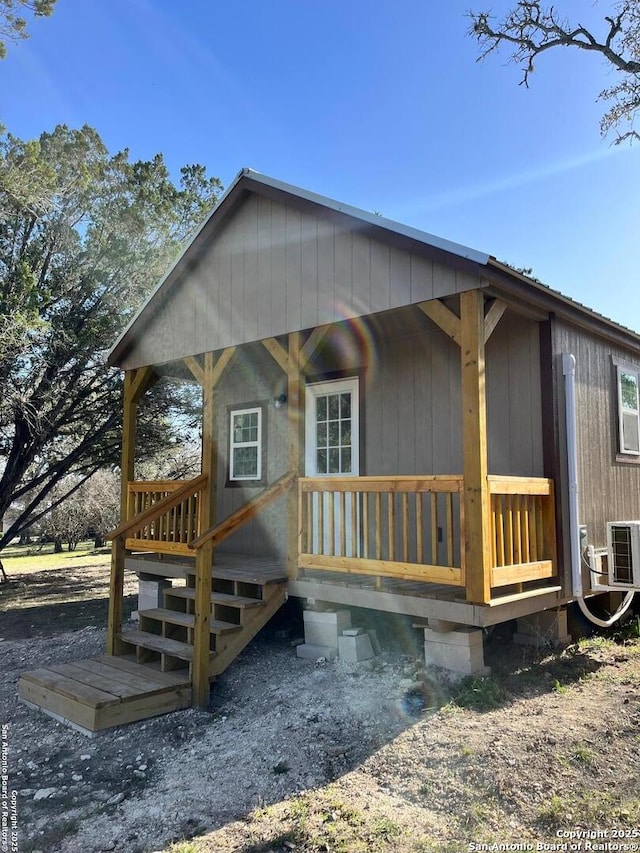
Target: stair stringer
pixel 274 596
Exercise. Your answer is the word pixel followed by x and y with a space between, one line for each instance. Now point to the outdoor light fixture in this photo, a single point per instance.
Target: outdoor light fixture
pixel 279 401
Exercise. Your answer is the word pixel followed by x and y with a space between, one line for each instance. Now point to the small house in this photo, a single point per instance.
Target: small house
pixel 384 426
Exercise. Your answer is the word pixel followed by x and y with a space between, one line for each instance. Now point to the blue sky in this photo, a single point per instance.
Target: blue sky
pixel 378 104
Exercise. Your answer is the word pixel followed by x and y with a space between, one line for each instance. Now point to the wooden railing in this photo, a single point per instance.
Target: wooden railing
pixel 219 532
pixel 403 527
pixel 523 541
pixel 170 526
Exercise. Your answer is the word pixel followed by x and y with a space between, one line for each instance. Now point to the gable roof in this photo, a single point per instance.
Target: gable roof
pixel 485 269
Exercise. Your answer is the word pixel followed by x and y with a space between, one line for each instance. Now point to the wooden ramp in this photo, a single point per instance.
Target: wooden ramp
pixel 103 692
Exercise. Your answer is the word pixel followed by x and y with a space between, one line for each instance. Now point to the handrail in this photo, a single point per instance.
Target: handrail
pixel 397 483
pixel 221 531
pixel 505 485
pixel 155 485
pixel 153 512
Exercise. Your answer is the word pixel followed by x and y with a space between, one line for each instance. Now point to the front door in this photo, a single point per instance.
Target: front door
pixel 332 450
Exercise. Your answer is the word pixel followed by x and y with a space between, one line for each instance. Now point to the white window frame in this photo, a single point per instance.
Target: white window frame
pixel 233 444
pixel 630 370
pixel 320 389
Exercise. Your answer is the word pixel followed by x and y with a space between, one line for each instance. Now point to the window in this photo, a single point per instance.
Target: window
pixel 331 428
pixel 628 410
pixel 245 451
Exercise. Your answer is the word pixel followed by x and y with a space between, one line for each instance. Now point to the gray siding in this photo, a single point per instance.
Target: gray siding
pixel 411 406
pixel 514 407
pixel 253 377
pixel 272 269
pixel 609 490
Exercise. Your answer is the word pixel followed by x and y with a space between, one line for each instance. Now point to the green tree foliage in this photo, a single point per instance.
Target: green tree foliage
pixel 532 27
pixel 83 237
pixel 12 25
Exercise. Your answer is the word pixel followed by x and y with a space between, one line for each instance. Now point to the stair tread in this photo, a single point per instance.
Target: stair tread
pixel 159 644
pixel 261 576
pixel 174 617
pixel 217 597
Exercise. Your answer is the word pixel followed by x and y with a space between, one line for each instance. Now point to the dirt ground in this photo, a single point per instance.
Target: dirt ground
pixel 326 756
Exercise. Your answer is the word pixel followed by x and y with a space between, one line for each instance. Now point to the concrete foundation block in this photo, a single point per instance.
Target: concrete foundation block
pixel 355 648
pixel 324 627
pixel 548 628
pixel 460 651
pixel 150 591
pixel 310 651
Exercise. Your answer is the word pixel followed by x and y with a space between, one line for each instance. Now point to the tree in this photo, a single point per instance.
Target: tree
pixel 533 27
pixel 67 521
pixel 13 26
pixel 93 508
pixel 83 237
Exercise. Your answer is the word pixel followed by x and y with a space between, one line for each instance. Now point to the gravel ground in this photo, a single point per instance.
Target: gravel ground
pixel 550 742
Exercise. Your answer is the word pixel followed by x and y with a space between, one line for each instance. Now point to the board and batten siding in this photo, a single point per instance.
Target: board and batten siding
pixel 273 268
pixel 253 379
pixel 411 406
pixel 609 490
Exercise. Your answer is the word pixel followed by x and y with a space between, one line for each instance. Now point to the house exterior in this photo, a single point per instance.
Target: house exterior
pixel 383 427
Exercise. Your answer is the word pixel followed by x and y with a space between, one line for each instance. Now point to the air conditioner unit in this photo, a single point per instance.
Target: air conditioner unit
pixel 623 548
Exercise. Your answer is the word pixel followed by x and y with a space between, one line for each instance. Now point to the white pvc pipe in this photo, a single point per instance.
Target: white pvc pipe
pixel 569 373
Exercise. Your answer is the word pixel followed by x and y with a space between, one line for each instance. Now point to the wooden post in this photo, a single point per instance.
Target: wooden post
pixel 477 544
pixel 116 588
pixel 204 555
pixel 295 400
pixel 136 383
pixel 129 411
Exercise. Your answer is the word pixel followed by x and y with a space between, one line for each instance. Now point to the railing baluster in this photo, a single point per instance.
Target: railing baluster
pixel 191 527
pixel 320 521
pixel 391 525
pixel 539 530
pixel 331 509
pixel 343 524
pixel 517 530
pixel 308 523
pixel 533 526
pixel 419 537
pixel 378 526
pixel 509 530
pixel 354 524
pixel 449 502
pixel 365 525
pixel 434 529
pixel 526 547
pixel 405 526
pixel 500 525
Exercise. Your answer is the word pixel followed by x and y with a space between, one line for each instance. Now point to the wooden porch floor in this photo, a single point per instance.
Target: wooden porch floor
pixel 103 692
pixel 424 600
pixel 244 568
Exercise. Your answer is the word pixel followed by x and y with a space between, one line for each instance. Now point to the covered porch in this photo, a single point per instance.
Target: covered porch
pixel 478 540
pixel 469 547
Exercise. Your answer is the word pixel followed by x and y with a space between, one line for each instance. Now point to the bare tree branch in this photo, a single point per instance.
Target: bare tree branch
pixel 532 27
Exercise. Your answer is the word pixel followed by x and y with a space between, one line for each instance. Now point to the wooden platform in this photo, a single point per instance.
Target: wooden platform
pixel 245 568
pixel 423 600
pixel 103 692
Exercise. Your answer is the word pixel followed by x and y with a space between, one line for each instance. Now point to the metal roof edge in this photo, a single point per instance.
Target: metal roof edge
pixel 314 198
pixel 372 218
pixel 571 306
pixel 174 266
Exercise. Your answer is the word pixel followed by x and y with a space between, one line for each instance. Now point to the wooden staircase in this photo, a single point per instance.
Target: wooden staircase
pixel 242 602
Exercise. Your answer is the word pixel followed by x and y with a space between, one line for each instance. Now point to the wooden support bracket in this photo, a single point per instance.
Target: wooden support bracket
pixel 443 317
pixel 195 368
pixel 278 353
pixel 311 345
pixel 493 316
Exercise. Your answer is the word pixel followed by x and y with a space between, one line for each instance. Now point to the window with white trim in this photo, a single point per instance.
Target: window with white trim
pixel 628 410
pixel 245 440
